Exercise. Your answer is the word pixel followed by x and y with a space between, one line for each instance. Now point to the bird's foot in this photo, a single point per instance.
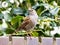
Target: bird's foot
pixel 29 35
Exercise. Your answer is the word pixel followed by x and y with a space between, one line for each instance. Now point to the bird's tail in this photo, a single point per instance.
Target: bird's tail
pixel 18 29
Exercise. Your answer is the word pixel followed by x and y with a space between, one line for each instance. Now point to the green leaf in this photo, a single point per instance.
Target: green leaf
pixel 16 21
pixel 1 15
pixel 47 14
pixel 7 17
pixel 17 10
pixel 53 24
pixel 34 34
pixel 40 9
pixel 54 11
pixel 57 35
pixel 36 5
pixel 1 33
pixel 9 31
pixel 47 6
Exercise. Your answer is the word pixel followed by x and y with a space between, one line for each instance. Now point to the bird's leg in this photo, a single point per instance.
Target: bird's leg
pixel 29 35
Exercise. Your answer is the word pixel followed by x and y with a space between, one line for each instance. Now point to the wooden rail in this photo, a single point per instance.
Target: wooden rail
pixel 29 41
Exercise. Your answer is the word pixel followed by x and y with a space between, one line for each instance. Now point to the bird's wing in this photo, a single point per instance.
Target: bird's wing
pixel 24 23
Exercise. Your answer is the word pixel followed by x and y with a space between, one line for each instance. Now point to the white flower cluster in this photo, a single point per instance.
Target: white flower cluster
pixel 56 30
pixel 11 1
pixel 5 4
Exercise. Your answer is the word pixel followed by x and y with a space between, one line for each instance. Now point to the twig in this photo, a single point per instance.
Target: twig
pixel 43 11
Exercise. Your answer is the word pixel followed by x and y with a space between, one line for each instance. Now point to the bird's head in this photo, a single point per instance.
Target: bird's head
pixel 31 11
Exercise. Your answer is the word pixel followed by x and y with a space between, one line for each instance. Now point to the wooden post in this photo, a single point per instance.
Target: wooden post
pixel 10 39
pixel 25 40
pixel 40 40
pixel 54 41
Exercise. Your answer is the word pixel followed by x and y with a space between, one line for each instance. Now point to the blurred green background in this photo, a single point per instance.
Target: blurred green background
pixel 12 13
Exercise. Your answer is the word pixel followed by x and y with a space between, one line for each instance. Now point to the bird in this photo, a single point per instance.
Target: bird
pixel 29 22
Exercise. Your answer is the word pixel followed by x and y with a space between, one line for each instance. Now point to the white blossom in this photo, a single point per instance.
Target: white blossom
pixel 11 1
pixel 5 12
pixel 56 30
pixel 9 9
pixel 47 6
pixel 4 4
pixel 17 3
pixel 54 3
pixel 4 25
pixel 21 1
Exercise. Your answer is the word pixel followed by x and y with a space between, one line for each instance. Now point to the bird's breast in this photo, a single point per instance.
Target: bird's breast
pixel 33 19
